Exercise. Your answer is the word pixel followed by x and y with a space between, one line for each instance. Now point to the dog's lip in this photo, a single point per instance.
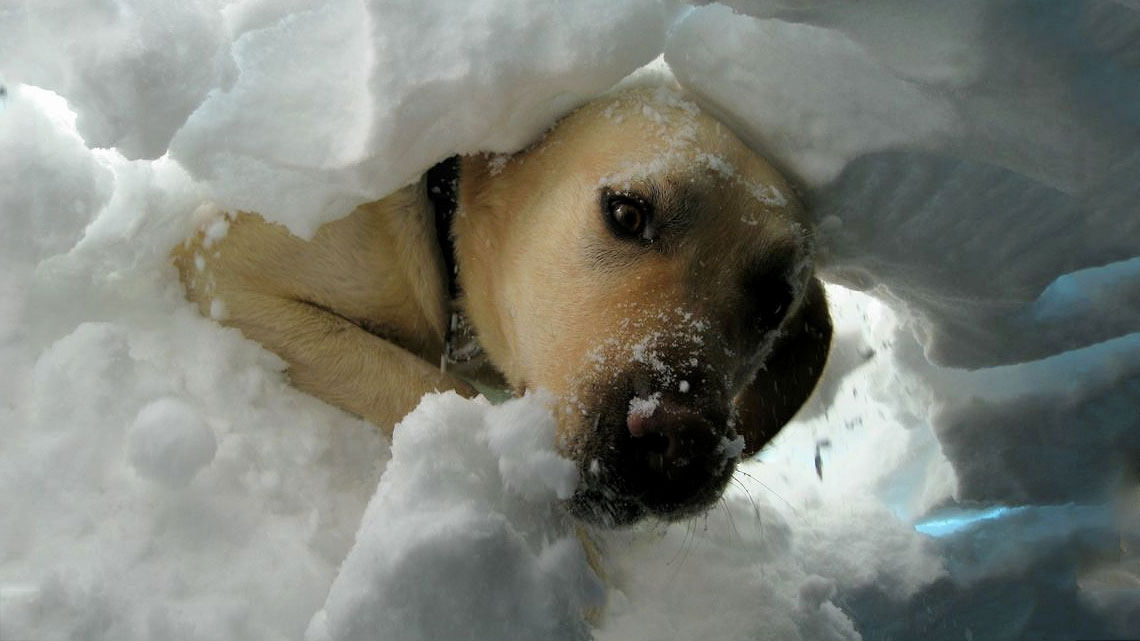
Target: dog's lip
pixel 600 498
pixel 614 510
pixel 603 507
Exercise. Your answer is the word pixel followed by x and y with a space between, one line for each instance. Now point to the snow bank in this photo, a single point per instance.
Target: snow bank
pixel 218 84
pixel 975 166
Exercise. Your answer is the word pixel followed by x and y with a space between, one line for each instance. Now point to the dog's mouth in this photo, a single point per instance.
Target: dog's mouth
pixel 667 456
pixel 603 499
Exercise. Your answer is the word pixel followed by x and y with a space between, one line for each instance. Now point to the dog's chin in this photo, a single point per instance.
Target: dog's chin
pixel 606 505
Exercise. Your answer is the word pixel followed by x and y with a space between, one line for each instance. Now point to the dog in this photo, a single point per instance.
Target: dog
pixel 639 262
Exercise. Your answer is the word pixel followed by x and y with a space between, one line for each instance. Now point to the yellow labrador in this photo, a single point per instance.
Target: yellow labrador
pixel 639 262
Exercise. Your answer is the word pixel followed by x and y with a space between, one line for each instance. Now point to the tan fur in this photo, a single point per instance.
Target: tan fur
pixel 544 311
pixel 360 311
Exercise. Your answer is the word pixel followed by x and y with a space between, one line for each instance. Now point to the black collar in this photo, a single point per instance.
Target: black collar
pixel 443 191
pixel 462 354
pixel 442 182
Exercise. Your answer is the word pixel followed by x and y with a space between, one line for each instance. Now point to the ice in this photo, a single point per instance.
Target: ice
pixel 972 165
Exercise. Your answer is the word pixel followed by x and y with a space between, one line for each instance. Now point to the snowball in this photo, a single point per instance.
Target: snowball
pixel 170 442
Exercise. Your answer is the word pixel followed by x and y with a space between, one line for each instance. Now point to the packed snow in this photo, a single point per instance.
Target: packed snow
pixel 966 469
pixel 470 529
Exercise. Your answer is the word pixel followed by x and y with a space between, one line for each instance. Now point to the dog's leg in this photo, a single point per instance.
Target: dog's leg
pixel 351 311
pixel 335 360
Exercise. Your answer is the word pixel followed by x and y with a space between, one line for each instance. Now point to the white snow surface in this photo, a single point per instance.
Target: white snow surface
pixel 972 164
pixel 473 529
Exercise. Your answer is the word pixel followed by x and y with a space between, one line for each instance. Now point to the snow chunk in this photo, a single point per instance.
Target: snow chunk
pixel 463 537
pixel 133 69
pixel 170 442
pixel 731 449
pixel 808 95
pixel 528 462
pixel 387 91
pixel 50 184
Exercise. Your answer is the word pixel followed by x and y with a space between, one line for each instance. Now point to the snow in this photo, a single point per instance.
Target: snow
pixel 967 468
pixel 470 494
pixel 644 407
pixel 170 442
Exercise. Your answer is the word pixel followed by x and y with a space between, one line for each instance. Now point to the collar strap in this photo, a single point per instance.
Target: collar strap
pixel 461 346
pixel 442 183
pixel 443 191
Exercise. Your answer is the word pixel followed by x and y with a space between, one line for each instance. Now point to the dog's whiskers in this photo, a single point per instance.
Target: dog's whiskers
pixel 678 559
pixel 748 493
pixel 684 542
pixel 731 521
pixel 773 492
pixel 694 541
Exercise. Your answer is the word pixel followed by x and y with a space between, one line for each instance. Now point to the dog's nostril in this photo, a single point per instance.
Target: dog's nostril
pixel 655 450
pixel 667 434
pixel 656 443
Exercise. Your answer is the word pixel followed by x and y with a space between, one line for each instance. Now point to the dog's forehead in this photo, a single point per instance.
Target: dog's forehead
pixel 660 138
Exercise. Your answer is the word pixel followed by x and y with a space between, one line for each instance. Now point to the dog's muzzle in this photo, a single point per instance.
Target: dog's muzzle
pixel 667 455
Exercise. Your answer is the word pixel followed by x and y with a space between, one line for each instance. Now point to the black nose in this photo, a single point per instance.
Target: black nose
pixel 666 454
pixel 673 455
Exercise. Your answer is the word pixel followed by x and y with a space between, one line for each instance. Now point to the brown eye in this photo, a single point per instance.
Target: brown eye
pixel 627 217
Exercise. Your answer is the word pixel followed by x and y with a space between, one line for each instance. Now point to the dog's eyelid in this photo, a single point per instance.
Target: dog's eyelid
pixel 627 195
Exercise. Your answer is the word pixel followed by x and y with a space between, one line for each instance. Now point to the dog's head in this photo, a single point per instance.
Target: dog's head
pixel 654 274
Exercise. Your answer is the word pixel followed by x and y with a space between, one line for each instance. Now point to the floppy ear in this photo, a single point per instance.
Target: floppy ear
pixel 790 373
